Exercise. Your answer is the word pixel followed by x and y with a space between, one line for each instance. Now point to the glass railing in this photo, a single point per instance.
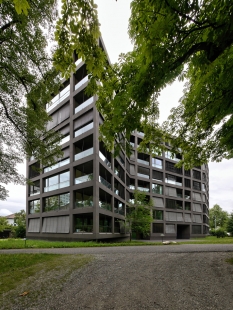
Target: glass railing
pixel 105 205
pixel 84 178
pixel 157 166
pixel 64 140
pixel 83 229
pixel 143 189
pixel 57 165
pixel 56 186
pixel 104 182
pixel 80 83
pixel 84 154
pixel 84 203
pixel 144 162
pixel 58 98
pixel 106 229
pixel 131 186
pixel 105 160
pixel 35 192
pixel 173 182
pixel 117 172
pixel 83 129
pixel 143 175
pixel 84 105
pixel 77 62
pixel 116 191
pixel 157 191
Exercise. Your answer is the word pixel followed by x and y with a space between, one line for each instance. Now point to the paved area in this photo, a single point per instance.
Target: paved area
pixel 144 277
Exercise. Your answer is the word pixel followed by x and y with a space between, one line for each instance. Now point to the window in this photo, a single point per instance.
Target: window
pixel 57 203
pixel 119 171
pixel 157 175
pixel 187 173
pixel 174 204
pixel 196 229
pixel 187 183
pixel 80 75
pixel 84 198
pixel 143 186
pixel 34 206
pixel 34 170
pixel 119 207
pixel 143 158
pixel 171 167
pixel 105 223
pixel 197 218
pixel 57 181
pixel 172 179
pixel 157 189
pixel 170 155
pixel 174 192
pixel 34 225
pixel 187 206
pixel 34 189
pixel 170 229
pixel 59 116
pixel 143 172
pixel 158 202
pixel 196 174
pixel 105 155
pixel 83 223
pixel 130 182
pixel 158 163
pixel 81 101
pixel 84 148
pixel 59 164
pixel 119 189
pixel 56 224
pixel 197 207
pixel 187 194
pixel 196 185
pixel 105 200
pixel 158 228
pixel 157 215
pixel 174 217
pixel 84 172
pixel 83 123
pixel 196 196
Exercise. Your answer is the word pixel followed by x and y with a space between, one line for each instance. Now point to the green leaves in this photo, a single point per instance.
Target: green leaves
pixel 21 6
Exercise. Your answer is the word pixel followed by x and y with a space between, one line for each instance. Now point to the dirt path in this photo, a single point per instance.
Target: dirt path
pixel 134 280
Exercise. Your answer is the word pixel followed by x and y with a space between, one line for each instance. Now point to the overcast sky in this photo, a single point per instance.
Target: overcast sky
pixel 113 16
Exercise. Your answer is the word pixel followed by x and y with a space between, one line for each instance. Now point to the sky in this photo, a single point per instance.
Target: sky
pixel 113 17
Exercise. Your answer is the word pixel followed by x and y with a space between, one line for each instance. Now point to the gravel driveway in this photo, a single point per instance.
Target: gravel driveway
pixel 169 277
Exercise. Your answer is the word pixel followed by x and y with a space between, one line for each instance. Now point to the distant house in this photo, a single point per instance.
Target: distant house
pixel 10 219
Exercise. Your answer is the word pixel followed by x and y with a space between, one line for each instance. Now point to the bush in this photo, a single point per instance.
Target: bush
pixel 220 233
pixel 20 231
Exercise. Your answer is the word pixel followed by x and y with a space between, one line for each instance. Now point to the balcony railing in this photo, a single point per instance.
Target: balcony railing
pixel 143 175
pixel 77 62
pixel 64 140
pixel 83 130
pixel 157 166
pixel 80 83
pixel 84 203
pixel 84 154
pixel 56 186
pixel 143 189
pixel 104 182
pixel 84 105
pixel 144 162
pixel 84 178
pixel 173 182
pixel 35 192
pixel 57 165
pixel 105 205
pixel 58 98
pixel 131 186
pixel 106 229
pixel 104 159
pixel 82 229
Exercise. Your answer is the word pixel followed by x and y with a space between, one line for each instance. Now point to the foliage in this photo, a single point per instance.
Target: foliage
pixel 4 224
pixel 138 216
pixel 230 224
pixel 27 82
pixel 20 221
pixel 185 39
pixel 220 233
pixel 217 214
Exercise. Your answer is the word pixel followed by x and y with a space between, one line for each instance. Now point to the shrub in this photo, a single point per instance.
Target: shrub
pixel 220 233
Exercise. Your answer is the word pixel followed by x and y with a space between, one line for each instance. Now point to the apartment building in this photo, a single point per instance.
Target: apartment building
pixel 84 195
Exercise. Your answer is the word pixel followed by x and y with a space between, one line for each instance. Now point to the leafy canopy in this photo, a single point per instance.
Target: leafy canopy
pixel 185 39
pixel 27 81
pixel 218 216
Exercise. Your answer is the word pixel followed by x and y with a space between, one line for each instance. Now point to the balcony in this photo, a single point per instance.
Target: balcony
pixel 58 98
pixel 105 205
pixel 80 83
pixel 105 229
pixel 104 159
pixel 84 154
pixel 83 130
pixel 84 178
pixel 104 182
pixel 144 162
pixel 84 105
pixel 56 186
pixel 34 192
pixel 57 165
pixel 77 62
pixel 143 175
pixel 64 140
pixel 143 189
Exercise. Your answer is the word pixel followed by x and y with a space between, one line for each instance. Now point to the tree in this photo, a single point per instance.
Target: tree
pixel 230 224
pixel 4 224
pixel 20 221
pixel 138 217
pixel 27 81
pixel 185 39
pixel 218 217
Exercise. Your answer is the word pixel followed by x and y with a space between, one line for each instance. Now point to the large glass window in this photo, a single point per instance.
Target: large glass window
pixel 83 197
pixel 34 206
pixel 119 207
pixel 143 158
pixel 34 188
pixel 57 181
pixel 34 170
pixel 105 200
pixel 83 223
pixel 84 172
pixel 81 101
pixel 119 189
pixel 143 172
pixel 174 204
pixel 119 171
pixel 171 167
pixel 104 154
pixel 105 177
pixel 84 148
pixel 59 164
pixel 105 223
pixel 143 186
pixel 172 179
pixel 157 163
pixel 196 229
pixel 157 215
pixel 157 189
pixel 57 203
pixel 158 228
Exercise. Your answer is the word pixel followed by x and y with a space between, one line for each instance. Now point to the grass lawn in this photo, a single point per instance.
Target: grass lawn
pixel 18 270
pixel 20 244
pixel 210 240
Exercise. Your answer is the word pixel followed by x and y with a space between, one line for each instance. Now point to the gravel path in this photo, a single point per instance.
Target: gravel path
pixel 168 277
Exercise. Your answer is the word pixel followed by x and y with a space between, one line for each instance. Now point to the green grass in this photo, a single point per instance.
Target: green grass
pixel 16 269
pixel 210 240
pixel 20 244
pixel 230 260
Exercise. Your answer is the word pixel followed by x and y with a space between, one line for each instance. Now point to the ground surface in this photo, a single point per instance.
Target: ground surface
pixel 161 277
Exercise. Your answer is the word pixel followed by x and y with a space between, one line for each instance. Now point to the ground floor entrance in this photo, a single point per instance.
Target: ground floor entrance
pixel 183 231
